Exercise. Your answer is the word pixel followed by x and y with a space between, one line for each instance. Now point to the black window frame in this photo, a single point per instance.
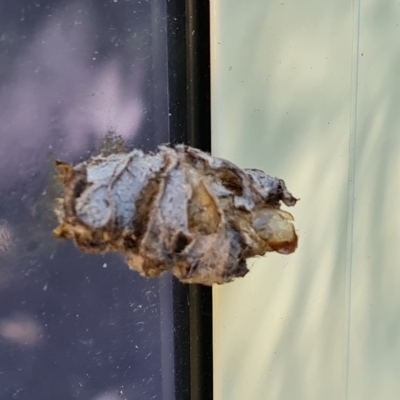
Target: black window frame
pixel 188 38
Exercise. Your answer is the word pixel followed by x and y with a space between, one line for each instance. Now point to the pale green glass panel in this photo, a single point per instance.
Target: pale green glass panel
pixel 374 357
pixel 283 101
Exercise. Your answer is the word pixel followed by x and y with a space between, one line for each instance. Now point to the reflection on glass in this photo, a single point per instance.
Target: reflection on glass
pixel 74 325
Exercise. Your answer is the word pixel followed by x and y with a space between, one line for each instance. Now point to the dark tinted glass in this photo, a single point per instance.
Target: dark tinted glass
pixel 72 325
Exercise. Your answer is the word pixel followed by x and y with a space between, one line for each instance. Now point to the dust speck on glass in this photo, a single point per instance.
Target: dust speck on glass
pixel 70 327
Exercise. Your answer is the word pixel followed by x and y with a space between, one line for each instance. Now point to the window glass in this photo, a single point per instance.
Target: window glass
pixel 72 325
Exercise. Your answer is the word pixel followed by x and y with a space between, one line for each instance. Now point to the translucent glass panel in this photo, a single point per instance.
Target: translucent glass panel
pixel 308 92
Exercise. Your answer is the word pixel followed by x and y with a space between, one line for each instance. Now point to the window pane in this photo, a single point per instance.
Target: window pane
pixel 74 325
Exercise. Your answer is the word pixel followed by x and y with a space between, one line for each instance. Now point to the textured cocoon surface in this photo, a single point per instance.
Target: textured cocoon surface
pixel 181 210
